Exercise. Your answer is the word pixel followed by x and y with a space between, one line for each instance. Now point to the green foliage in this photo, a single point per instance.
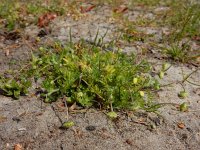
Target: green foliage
pixel 129 31
pixel 178 53
pixel 183 94
pixel 15 12
pixel 67 125
pixel 14 88
pixel 89 76
pixel 38 8
pixel 184 107
pixel 131 35
pixel 8 10
pixel 146 2
pixel 165 66
pixel 112 115
pixel 184 18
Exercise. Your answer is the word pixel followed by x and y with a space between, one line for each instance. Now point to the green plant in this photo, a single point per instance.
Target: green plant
pixel 67 125
pixel 14 88
pixel 38 7
pixel 90 76
pixel 178 53
pixel 161 73
pixel 8 11
pixel 182 94
pixel 129 32
pixel 112 115
pixel 15 12
pixel 184 19
pixel 184 107
pixel 113 3
pixel 145 2
pixel 131 35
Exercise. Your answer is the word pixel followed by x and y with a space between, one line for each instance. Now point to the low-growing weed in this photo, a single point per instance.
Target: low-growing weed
pixel 131 35
pixel 129 32
pixel 89 76
pixel 145 2
pixel 184 19
pixel 14 88
pixel 16 13
pixel 178 53
pixel 9 11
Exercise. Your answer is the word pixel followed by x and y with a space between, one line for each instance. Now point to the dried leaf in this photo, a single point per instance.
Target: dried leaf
pixel 197 38
pixel 2 119
pixel 198 59
pixel 18 147
pixel 72 107
pixel 181 125
pixel 7 53
pixel 45 19
pixel 87 9
pixel 128 141
pixel 120 9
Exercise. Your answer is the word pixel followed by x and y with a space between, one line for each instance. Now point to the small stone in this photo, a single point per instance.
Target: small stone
pixel 16 119
pixel 90 128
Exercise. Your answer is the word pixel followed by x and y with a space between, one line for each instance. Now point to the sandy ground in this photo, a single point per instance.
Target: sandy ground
pixel 35 125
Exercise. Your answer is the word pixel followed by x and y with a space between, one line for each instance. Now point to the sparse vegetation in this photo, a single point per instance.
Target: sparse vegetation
pixel 178 53
pixel 87 75
pixel 18 14
pixel 184 17
pixel 66 88
pixel 82 73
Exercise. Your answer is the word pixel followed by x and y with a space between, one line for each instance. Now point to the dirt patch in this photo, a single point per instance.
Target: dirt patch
pixel 35 125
